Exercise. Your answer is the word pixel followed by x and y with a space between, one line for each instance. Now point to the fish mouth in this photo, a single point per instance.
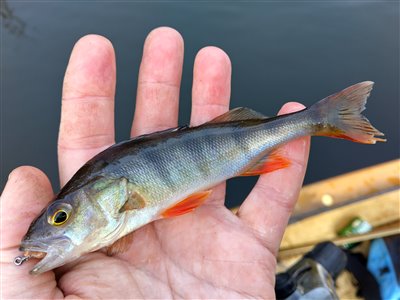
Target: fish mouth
pixel 51 256
pixel 35 254
pixel 38 250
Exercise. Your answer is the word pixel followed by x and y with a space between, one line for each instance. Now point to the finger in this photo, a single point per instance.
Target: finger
pixel 87 113
pixel 160 74
pixel 268 207
pixel 27 191
pixel 211 93
pixel 211 85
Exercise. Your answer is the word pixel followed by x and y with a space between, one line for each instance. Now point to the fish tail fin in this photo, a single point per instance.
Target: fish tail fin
pixel 339 115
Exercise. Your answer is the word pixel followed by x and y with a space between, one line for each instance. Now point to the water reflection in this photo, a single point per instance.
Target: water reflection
pixel 280 52
pixel 10 21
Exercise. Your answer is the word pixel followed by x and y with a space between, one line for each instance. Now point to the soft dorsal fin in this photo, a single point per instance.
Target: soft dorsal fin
pixel 272 162
pixel 187 205
pixel 238 114
pixel 156 134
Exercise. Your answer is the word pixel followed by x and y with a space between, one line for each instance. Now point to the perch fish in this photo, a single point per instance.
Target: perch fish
pixel 170 173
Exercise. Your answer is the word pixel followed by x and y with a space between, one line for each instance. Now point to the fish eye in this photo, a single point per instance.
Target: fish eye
pixel 59 217
pixel 58 213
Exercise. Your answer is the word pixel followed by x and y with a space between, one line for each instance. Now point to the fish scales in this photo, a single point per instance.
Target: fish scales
pixel 187 161
pixel 169 173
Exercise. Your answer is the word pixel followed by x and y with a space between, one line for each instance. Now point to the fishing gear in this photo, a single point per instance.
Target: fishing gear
pixel 313 276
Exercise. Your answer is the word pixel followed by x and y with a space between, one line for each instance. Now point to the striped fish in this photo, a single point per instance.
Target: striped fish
pixel 170 173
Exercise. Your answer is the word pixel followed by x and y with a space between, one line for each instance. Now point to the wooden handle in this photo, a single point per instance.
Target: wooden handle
pixel 377 210
pixel 347 188
pixel 392 229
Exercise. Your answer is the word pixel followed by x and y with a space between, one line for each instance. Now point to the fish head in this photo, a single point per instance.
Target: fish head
pixel 82 221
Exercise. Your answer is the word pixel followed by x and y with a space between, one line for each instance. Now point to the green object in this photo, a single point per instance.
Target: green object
pixel 355 226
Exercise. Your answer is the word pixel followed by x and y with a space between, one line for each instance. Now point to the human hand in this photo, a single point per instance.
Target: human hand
pixel 209 253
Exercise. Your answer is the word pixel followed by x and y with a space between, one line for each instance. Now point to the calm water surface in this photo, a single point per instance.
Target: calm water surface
pixel 280 51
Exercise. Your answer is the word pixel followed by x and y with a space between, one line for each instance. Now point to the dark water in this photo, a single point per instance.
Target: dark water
pixel 280 51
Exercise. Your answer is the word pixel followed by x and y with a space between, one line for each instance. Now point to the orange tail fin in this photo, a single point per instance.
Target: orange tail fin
pixel 341 115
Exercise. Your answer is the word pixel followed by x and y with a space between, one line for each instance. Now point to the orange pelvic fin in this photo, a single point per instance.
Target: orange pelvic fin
pixel 274 161
pixel 120 245
pixel 187 205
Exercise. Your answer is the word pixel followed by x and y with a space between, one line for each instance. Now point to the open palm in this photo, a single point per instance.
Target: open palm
pixel 209 253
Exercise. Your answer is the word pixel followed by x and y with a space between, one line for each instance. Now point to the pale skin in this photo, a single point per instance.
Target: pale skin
pixel 209 253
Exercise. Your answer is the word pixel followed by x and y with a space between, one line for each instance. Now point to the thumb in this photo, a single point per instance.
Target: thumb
pixel 27 191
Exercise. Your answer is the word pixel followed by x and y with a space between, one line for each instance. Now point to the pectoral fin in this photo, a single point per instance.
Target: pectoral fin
pixel 120 245
pixel 187 205
pixel 274 161
pixel 134 201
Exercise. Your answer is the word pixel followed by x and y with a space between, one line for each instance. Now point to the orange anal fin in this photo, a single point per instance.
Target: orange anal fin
pixel 274 161
pixel 120 245
pixel 187 205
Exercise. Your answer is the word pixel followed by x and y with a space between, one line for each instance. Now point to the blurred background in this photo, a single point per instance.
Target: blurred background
pixel 280 51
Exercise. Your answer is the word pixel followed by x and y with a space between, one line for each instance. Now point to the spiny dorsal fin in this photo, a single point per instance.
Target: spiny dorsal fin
pixel 272 162
pixel 186 205
pixel 133 201
pixel 238 114
pixel 120 245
